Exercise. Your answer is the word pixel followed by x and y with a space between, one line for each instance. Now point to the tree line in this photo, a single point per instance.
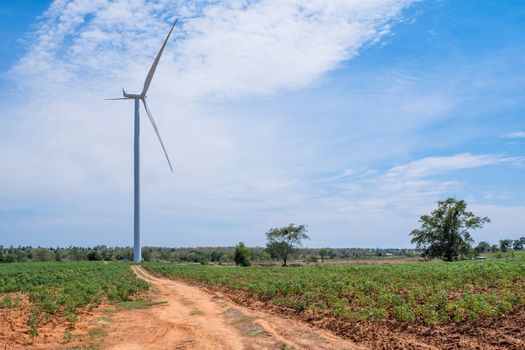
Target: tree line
pixel 224 255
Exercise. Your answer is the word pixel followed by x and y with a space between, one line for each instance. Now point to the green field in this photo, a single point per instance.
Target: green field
pixel 64 288
pixel 430 293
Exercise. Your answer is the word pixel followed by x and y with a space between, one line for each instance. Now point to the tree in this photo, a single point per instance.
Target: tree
pixel 326 252
pixel 94 255
pixel 482 247
pixel 505 244
pixel 282 242
pixel 43 254
pixel 145 252
pixel 323 252
pixel 242 255
pixel 519 243
pixel 445 233
pixel 58 255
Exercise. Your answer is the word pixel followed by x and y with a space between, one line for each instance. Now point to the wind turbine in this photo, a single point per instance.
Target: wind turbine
pixel 136 171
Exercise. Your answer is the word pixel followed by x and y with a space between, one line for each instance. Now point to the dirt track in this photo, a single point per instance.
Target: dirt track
pixel 194 319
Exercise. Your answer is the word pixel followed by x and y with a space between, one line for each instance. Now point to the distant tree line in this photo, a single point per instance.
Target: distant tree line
pixel 223 255
pixel 503 246
pixel 226 255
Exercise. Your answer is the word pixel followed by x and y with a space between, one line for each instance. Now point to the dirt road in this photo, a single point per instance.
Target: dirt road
pixel 192 318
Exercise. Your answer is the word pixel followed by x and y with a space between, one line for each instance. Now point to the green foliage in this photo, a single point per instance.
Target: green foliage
pixel 222 255
pixel 242 255
pixel 325 252
pixel 518 244
pixel 64 288
pixel 482 247
pixel 445 233
pixel 431 292
pixel 94 255
pixel 505 244
pixel 282 242
pixel 43 254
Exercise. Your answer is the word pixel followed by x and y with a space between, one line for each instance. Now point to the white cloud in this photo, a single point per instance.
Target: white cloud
pixel 437 165
pixel 227 48
pixel 514 135
pixel 411 188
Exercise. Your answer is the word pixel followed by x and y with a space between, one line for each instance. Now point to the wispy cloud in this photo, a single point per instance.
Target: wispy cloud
pixel 514 135
pixel 415 184
pixel 437 165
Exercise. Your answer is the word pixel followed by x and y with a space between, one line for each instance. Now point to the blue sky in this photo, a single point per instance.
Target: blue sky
pixel 353 118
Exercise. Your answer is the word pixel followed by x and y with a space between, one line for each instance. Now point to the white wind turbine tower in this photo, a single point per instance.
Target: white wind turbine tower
pixel 142 97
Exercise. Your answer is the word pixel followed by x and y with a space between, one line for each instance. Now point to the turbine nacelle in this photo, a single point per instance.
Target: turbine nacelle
pixel 126 95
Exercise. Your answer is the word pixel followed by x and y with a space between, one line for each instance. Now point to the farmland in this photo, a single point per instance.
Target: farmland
pixel 467 304
pixel 63 290
pixel 416 296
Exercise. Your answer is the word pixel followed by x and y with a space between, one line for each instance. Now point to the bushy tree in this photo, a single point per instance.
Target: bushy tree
pixel 323 252
pixel 505 244
pixel 43 254
pixel 282 242
pixel 94 255
pixel 242 255
pixel 58 254
pixel 482 247
pixel 445 233
pixel 326 252
pixel 519 243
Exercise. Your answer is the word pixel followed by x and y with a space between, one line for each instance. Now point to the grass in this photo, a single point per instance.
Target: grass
pixel 97 332
pixel 431 293
pixel 196 312
pixel 138 304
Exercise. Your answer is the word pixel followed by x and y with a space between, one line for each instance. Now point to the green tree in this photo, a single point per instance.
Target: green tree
pixel 58 254
pixel 482 247
pixel 519 243
pixel 242 255
pixel 146 253
pixel 282 242
pixel 43 254
pixel 94 255
pixel 505 244
pixel 324 252
pixel 445 233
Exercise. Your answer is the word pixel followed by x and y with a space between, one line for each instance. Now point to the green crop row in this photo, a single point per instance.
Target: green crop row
pixel 432 293
pixel 64 288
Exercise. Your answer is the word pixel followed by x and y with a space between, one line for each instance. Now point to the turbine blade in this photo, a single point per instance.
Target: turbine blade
pixel 156 131
pixel 156 62
pixel 118 98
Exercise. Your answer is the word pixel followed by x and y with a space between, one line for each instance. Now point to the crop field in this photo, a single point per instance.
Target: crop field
pixel 416 296
pixel 431 293
pixel 468 304
pixel 63 289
